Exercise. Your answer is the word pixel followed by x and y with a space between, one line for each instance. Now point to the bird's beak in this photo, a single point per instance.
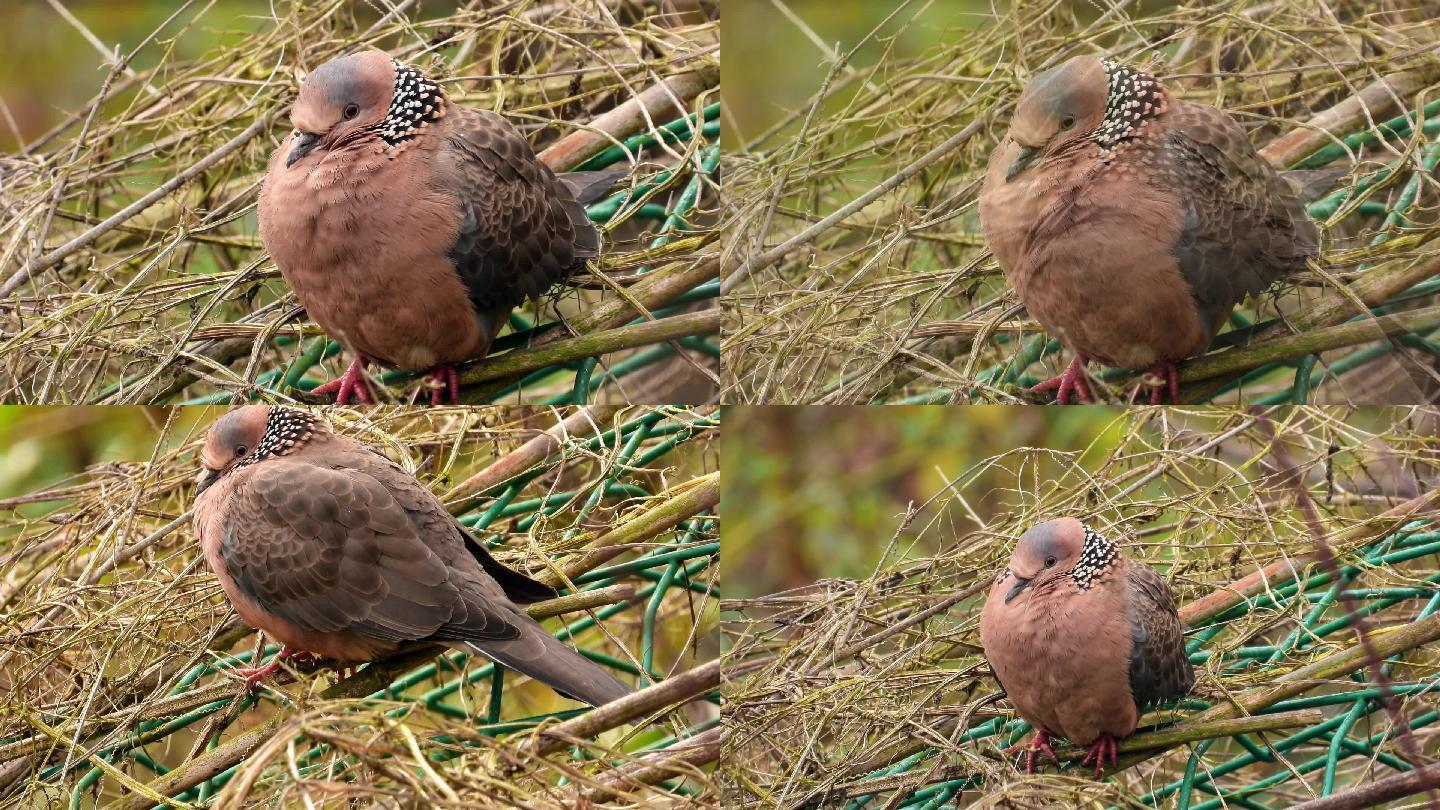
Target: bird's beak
pixel 1027 154
pixel 305 143
pixel 1020 584
pixel 204 480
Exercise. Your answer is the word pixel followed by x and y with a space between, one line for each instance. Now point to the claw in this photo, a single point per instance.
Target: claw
pixel 1103 747
pixel 449 383
pixel 255 675
pixel 351 382
pixel 1070 380
pixel 1167 377
pixel 1038 743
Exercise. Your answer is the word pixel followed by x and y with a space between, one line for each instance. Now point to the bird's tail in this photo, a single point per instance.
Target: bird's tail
pixel 1310 184
pixel 547 659
pixel 587 187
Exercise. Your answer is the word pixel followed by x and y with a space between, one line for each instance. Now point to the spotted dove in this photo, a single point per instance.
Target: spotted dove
pixel 333 549
pixel 1082 639
pixel 1130 222
pixel 409 227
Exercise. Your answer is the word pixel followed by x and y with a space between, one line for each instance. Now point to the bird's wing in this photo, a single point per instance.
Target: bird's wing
pixel 331 549
pixel 1159 669
pixel 521 230
pixel 442 533
pixel 1242 226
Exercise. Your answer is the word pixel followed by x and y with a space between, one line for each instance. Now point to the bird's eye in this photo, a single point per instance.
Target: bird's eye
pixel 1067 122
pixel 241 450
pixel 351 111
pixel 1049 562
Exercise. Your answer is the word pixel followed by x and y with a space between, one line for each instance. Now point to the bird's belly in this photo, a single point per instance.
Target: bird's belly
pixel 1075 693
pixel 412 323
pixel 370 280
pixel 1109 288
pixel 342 645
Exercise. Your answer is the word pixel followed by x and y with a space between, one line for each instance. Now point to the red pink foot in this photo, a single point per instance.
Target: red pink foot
pixel 449 384
pixel 1038 743
pixel 351 382
pixel 255 675
pixel 1102 748
pixel 1071 380
pixel 1169 378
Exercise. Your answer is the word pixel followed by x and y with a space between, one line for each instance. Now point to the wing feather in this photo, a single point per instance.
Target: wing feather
pixel 332 550
pixel 1159 668
pixel 521 230
pixel 1242 226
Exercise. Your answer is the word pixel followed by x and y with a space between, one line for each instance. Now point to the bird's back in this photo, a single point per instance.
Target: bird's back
pixel 521 230
pixel 1159 667
pixel 1242 226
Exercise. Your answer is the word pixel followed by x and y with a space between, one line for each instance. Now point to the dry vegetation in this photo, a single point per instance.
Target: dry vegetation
pixel 849 692
pixel 130 263
pixel 856 271
pixel 116 641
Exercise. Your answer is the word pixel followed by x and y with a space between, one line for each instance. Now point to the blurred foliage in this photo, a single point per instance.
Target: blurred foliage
pixel 818 491
pixel 775 58
pixel 42 445
pixel 50 68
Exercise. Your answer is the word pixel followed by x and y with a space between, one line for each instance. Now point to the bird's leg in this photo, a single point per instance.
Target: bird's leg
pixel 351 382
pixel 254 675
pixel 1167 381
pixel 1039 742
pixel 448 382
pixel 1103 747
pixel 1072 379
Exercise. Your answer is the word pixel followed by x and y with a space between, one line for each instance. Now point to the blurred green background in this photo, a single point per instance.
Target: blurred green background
pixel 43 445
pixel 777 52
pixel 49 68
pixel 819 491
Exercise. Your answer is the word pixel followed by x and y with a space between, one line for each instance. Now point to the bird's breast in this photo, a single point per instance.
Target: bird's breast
pixel 364 245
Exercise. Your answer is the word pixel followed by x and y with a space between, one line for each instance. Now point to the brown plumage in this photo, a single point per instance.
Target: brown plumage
pixel 333 549
pixel 1082 639
pixel 410 227
pixel 1130 222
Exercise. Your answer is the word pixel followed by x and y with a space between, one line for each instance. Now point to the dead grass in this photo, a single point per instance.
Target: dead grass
pixel 132 267
pixel 116 642
pixel 856 271
pixel 878 687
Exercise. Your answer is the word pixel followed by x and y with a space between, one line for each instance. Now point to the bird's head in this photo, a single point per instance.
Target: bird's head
pixel 361 96
pixel 1083 101
pixel 249 434
pixel 1058 548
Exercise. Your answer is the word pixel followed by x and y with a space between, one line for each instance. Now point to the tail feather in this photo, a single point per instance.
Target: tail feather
pixel 547 659
pixel 587 187
pixel 1310 184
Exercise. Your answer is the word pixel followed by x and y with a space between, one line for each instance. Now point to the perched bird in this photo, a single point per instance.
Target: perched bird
pixel 1130 222
pixel 332 549
pixel 1082 639
pixel 410 227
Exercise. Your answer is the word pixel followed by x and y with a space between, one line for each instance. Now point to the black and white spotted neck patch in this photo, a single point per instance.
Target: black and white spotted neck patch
pixel 1097 555
pixel 1135 97
pixel 415 102
pixel 285 430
